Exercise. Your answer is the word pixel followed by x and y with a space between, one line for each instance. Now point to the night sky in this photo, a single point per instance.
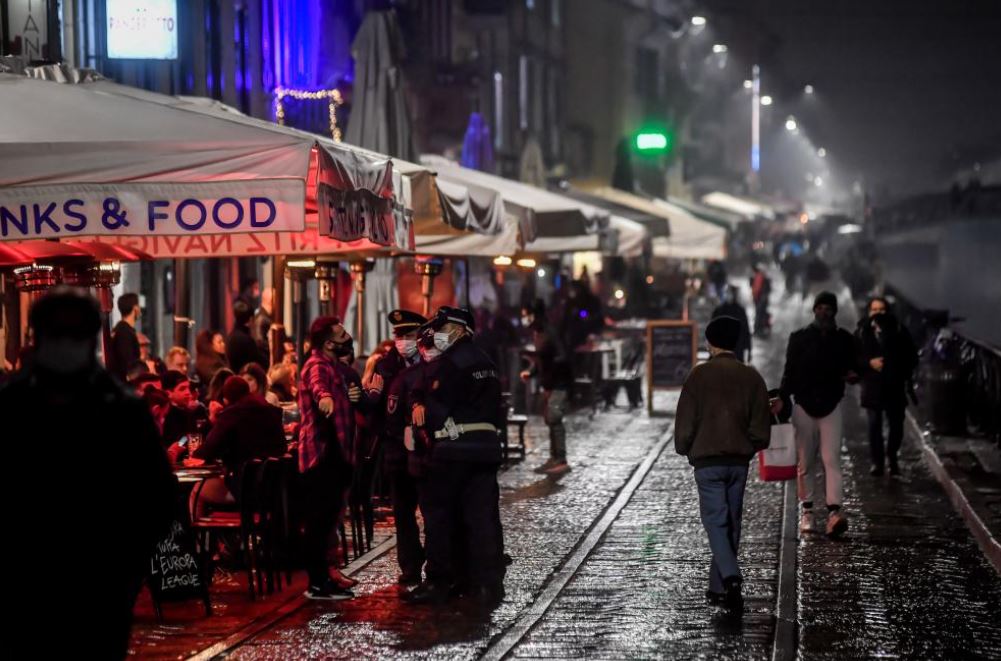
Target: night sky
pixel 907 91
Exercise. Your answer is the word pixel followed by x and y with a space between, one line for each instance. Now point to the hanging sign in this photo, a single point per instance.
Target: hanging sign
pixel 357 214
pixel 151 209
pixel 142 29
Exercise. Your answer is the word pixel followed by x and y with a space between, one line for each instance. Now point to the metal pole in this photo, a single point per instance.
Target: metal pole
pixel 182 310
pixel 277 309
pixel 358 271
pixel 755 120
pixel 468 306
pixel 427 292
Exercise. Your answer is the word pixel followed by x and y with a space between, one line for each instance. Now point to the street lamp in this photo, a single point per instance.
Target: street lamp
pixel 719 48
pixel 698 21
pixel 748 84
pixel 766 100
pixel 822 153
pixel 790 124
pixel 808 89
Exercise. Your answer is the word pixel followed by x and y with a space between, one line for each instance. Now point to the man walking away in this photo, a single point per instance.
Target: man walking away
pixel 721 421
pixel 125 350
pixel 552 365
pixel 888 359
pixel 820 359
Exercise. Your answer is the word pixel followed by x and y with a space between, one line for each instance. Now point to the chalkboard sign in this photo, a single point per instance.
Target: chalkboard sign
pixel 175 573
pixel 671 349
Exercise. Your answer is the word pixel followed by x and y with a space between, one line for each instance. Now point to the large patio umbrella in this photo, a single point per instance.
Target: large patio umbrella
pixel 379 118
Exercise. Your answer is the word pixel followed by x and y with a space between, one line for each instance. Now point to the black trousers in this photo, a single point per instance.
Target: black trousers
pixel 462 528
pixel 895 421
pixel 409 551
pixel 325 488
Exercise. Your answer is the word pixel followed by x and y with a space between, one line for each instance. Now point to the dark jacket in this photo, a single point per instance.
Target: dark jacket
pixel 248 429
pixel 552 362
pixel 885 338
pixel 386 416
pixel 178 423
pixel 101 495
pixel 206 365
pixel 723 416
pixel 398 419
pixel 737 311
pixel 259 331
pixel 124 350
pixel 462 385
pixel 242 349
pixel 817 364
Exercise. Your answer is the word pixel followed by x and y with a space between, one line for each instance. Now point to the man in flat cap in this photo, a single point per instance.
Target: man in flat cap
pixel 457 407
pixel 385 391
pixel 722 420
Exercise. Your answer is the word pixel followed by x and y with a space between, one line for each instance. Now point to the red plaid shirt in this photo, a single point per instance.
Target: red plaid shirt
pixel 319 379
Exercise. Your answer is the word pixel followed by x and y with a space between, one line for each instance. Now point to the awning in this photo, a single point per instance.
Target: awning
pixel 101 159
pixel 539 212
pixel 632 237
pixel 690 237
pixel 725 219
pixel 654 223
pixel 738 205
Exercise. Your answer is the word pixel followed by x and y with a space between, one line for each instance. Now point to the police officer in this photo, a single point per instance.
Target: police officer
pixel 384 393
pixel 456 407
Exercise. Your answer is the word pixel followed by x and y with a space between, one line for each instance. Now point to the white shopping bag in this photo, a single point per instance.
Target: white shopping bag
pixel 778 462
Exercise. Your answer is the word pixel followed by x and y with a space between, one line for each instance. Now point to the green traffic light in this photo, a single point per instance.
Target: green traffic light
pixel 652 142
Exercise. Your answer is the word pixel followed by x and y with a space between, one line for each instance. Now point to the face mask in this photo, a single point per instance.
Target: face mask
pixel 406 347
pixel 64 355
pixel 442 341
pixel 344 349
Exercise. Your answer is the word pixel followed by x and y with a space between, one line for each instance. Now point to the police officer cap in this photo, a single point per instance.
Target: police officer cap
pixel 450 315
pixel 405 321
pixel 723 333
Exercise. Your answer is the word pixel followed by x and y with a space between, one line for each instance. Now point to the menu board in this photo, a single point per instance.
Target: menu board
pixel 671 349
pixel 175 572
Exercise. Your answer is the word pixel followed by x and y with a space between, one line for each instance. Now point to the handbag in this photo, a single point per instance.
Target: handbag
pixel 778 461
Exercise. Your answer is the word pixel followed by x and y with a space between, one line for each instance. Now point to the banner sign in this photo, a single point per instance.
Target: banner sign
pixel 262 244
pixel 142 29
pixel 151 209
pixel 354 215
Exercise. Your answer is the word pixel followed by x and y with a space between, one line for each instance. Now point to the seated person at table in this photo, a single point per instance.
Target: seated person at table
pixel 246 428
pixel 186 415
pixel 282 386
pixel 256 378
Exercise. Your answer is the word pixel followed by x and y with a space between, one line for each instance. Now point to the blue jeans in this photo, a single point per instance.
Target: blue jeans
pixel 721 505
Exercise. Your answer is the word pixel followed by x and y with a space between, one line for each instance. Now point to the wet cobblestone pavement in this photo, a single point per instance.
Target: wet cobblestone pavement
pixel 907 582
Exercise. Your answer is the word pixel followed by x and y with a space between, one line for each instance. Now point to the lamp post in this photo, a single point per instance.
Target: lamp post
pixel 358 270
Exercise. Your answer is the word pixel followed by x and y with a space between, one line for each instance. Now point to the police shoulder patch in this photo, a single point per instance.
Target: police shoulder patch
pixel 391 403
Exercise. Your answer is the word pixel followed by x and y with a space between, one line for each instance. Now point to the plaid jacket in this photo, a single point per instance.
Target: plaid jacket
pixel 319 379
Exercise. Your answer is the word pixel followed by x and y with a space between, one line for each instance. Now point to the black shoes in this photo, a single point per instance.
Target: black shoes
pixel 427 593
pixel 732 599
pixel 715 598
pixel 894 467
pixel 329 590
pixel 876 471
pixel 409 578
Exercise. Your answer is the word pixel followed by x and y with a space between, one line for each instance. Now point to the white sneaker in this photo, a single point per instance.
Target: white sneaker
pixel 806 521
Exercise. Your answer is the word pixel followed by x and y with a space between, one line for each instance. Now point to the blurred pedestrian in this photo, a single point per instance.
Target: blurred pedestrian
pixel 124 350
pixel 68 408
pixel 761 290
pixel 256 378
pixel 240 345
pixel 731 307
pixel 155 365
pixel 888 359
pixel 551 363
pixel 722 420
pixel 820 359
pixel 281 384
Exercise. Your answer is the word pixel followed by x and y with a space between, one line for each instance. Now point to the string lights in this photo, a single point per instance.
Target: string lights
pixel 333 98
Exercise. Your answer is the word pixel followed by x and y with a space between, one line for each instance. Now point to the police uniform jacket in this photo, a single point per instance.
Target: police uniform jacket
pixel 462 385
